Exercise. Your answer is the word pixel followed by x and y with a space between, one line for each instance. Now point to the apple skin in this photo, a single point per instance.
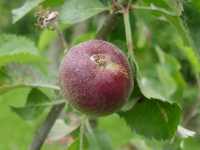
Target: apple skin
pixel 96 78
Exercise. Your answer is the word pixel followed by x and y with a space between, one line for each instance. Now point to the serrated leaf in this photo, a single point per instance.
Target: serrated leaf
pixel 25 76
pixel 120 134
pixel 32 109
pixel 74 11
pixel 18 13
pixel 153 119
pixel 18 49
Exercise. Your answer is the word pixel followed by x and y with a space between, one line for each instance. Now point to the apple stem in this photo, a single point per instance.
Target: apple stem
pixel 91 134
pixel 82 130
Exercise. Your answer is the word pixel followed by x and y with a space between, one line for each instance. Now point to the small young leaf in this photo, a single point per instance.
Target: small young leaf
pixel 74 11
pixel 153 118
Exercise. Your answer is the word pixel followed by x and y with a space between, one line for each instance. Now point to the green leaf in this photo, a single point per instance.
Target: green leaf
pixel 18 13
pixel 11 124
pixel 170 75
pixel 26 76
pixel 18 49
pixel 162 81
pixel 98 140
pixel 74 11
pixel 153 119
pixel 186 45
pixel 120 134
pixel 32 109
pixel 104 141
pixel 151 86
pixel 8 87
pixel 191 143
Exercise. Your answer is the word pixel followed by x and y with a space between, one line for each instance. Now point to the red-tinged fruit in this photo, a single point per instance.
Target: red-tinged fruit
pixel 96 78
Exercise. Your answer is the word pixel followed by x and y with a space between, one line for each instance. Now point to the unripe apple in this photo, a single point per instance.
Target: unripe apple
pixel 96 77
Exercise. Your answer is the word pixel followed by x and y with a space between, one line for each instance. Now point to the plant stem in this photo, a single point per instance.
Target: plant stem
pixel 89 128
pixel 82 130
pixel 44 130
pixel 92 136
pixel 128 31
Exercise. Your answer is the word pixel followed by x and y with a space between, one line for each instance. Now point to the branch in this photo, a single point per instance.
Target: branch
pixel 44 130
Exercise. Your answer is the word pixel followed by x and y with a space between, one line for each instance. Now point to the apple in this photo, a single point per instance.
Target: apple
pixel 96 77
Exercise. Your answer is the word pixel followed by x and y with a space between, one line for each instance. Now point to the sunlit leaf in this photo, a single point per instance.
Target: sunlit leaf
pixel 153 118
pixel 74 11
